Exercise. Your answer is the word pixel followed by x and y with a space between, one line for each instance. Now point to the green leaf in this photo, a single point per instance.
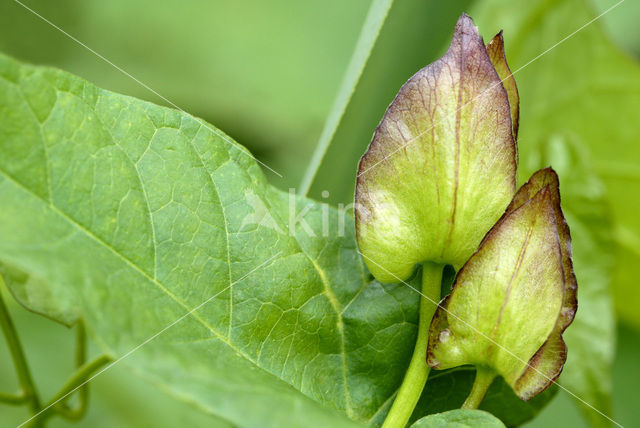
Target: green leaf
pixel 441 167
pixel 132 246
pixel 459 419
pixel 368 35
pixel 587 89
pixel 153 407
pixel 132 214
pixel 204 59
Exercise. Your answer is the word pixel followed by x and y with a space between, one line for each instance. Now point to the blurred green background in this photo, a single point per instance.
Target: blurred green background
pixel 267 74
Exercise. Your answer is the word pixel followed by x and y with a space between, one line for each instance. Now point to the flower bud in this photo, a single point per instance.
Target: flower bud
pixel 513 299
pixel 441 167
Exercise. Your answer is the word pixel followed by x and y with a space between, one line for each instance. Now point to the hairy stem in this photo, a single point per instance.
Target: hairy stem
pixel 416 376
pixel 29 393
pixel 484 378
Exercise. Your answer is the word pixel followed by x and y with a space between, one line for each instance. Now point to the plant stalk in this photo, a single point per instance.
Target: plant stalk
pixel 77 381
pixel 12 399
pixel 416 376
pixel 62 408
pixel 484 378
pixel 29 393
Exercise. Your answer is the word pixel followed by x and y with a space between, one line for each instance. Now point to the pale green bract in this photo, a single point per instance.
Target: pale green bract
pixel 515 296
pixel 441 167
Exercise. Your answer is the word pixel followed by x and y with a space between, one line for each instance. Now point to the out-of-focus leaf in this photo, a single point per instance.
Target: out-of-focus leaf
pixel 266 72
pixel 623 27
pixel 460 418
pixel 583 88
pixel 626 377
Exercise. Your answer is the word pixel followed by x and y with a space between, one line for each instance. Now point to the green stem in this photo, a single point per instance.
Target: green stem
pixel 77 381
pixel 12 399
pixel 416 376
pixel 484 378
pixel 29 392
pixel 62 408
pixel 81 344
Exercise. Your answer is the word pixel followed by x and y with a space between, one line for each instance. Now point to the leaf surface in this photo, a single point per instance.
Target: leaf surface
pixel 129 215
pixel 460 418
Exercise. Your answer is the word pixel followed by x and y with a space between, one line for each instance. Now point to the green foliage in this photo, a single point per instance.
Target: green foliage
pixel 111 395
pixel 114 200
pixel 155 203
pixel 459 419
pixel 578 106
